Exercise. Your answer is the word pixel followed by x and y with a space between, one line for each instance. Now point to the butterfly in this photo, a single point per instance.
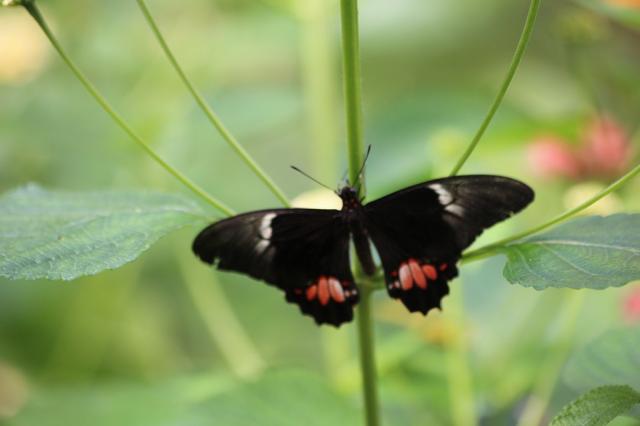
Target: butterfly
pixel 419 234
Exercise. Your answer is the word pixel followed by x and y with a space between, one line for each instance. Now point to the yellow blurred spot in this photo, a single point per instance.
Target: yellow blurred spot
pixel 578 194
pixel 23 49
pixel 435 328
pixel 317 199
pixel 13 391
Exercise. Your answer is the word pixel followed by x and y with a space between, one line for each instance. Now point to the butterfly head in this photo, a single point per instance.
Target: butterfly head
pixel 350 198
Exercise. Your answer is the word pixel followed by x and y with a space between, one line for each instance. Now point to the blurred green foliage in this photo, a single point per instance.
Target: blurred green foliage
pixel 133 341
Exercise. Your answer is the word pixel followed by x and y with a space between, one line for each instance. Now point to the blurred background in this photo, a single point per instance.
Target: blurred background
pixel 166 341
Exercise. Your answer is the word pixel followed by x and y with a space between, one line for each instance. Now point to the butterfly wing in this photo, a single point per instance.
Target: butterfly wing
pixel 421 231
pixel 304 252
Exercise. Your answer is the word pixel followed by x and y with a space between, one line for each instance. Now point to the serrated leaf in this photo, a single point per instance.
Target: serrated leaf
pixel 613 358
pixel 590 252
pixel 598 407
pixel 65 235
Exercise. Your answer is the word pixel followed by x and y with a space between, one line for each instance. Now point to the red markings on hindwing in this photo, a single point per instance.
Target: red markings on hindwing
pixel 335 290
pixel 415 273
pixel 430 272
pixel 312 292
pixel 327 289
pixel 323 291
pixel 406 280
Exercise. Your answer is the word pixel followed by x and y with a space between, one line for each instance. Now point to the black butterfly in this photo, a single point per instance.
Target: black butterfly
pixel 419 233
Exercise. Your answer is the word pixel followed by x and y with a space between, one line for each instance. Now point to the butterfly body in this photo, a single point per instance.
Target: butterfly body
pixel 354 214
pixel 419 234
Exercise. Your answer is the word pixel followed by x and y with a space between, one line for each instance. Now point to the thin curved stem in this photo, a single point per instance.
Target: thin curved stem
pixel 221 321
pixel 537 404
pixel 33 10
pixel 494 247
pixel 353 107
pixel 515 63
pixel 208 111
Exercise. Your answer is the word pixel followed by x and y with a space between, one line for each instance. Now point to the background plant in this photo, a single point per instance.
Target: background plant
pixel 417 360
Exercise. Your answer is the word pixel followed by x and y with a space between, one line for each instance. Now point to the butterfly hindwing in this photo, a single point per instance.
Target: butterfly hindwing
pixel 304 252
pixel 421 231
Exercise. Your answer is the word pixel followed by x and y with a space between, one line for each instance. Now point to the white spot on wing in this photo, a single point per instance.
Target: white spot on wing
pixel 455 209
pixel 265 226
pixel 444 196
pixel 262 246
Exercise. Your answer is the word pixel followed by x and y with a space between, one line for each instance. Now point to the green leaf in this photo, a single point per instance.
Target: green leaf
pixel 613 358
pixel 281 399
pixel 590 252
pixel 63 235
pixel 598 406
pixel 286 398
pixel 119 403
pixel 628 15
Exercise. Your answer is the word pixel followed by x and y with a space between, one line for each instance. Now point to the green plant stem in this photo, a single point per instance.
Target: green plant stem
pixel 208 111
pixel 37 16
pixel 459 374
pixel 355 144
pixel 352 86
pixel 222 323
pixel 538 402
pixel 515 63
pixel 490 249
pixel 367 357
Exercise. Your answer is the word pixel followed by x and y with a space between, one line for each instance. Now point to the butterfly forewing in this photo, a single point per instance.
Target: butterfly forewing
pixel 421 231
pixel 304 252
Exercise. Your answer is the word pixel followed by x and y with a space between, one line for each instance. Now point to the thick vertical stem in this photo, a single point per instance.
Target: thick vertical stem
pixel 353 108
pixel 367 358
pixel 352 85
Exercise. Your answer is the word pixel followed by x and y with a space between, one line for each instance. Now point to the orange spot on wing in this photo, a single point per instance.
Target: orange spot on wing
pixel 335 289
pixel 417 274
pixel 405 277
pixel 430 271
pixel 312 292
pixel 323 291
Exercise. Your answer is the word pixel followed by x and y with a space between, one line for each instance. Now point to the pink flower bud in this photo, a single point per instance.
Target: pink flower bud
pixel 551 157
pixel 607 151
pixel 631 307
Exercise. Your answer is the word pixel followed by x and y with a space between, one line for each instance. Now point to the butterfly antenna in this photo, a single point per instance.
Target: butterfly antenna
pixel 345 176
pixel 312 178
pixel 364 163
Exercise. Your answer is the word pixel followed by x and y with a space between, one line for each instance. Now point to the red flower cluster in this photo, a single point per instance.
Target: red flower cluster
pixel 605 152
